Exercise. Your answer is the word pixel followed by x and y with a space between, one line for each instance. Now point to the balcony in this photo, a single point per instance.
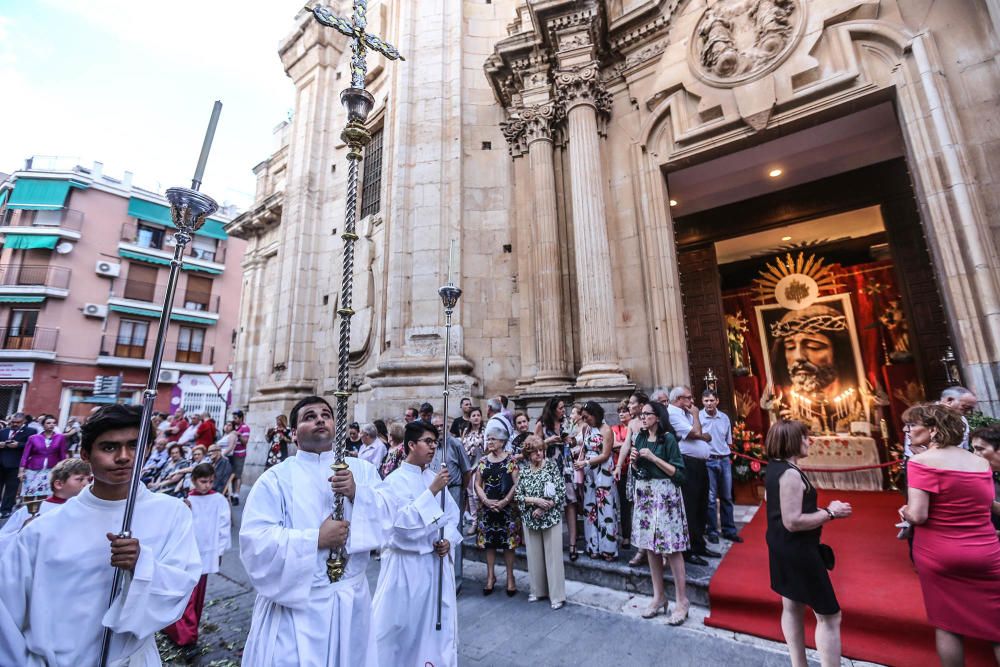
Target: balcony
pixel 189 306
pixel 28 343
pixel 130 353
pixel 160 245
pixel 34 282
pixel 63 222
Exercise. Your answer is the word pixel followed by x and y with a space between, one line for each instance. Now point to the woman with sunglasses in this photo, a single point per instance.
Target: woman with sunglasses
pixel 659 524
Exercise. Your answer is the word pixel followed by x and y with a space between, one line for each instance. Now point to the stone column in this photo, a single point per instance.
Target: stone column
pixel 550 335
pixel 581 93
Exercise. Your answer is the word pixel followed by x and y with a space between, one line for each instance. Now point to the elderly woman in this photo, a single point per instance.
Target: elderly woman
pixel 798 561
pixel 955 549
pixel 278 437
pixel 395 455
pixel 659 526
pixel 541 492
pixel 600 493
pixel 496 481
pixel 169 475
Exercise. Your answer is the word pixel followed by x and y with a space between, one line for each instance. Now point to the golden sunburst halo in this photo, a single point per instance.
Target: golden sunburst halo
pixel 813 267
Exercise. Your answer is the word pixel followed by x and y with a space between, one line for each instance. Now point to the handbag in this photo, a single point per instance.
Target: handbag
pixel 826 555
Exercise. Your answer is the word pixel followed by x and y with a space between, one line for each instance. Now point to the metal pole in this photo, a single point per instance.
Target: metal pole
pixel 189 209
pixel 449 296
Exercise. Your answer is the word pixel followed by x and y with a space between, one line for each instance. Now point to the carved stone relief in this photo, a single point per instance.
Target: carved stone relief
pixel 738 40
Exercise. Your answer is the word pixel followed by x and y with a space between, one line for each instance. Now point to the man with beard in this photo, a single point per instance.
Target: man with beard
pixel 811 340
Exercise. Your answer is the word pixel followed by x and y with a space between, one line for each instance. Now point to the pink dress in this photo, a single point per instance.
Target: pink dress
pixel 956 551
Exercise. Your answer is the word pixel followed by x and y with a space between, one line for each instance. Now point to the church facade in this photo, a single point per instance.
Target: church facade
pixel 795 202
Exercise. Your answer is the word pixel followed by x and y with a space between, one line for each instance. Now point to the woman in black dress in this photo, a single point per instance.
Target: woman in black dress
pixel 497 526
pixel 798 569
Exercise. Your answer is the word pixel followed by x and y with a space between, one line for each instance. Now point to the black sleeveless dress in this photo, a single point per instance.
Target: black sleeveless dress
pixel 797 569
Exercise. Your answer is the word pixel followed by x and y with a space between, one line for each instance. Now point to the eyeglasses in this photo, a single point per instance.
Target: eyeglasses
pixel 647 414
pixel 428 440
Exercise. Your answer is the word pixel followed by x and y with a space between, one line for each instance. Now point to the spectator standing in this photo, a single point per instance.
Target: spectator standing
pixel 636 402
pixel 13 439
pixel 459 424
pixel 472 443
pixel 189 434
pixel 659 528
pixel 496 482
pixel 460 473
pixel 558 443
pixel 949 496
pixel 279 437
pixel 178 426
pixel 719 466
pixel 522 429
pixel 426 412
pixel 206 433
pixel 986 443
pixel 540 494
pixel 686 423
pixel 223 468
pixel 41 453
pixel 410 414
pixel 239 456
pixel 395 455
pixel 621 434
pixel 372 449
pixel 494 415
pixel 961 400
pixel 72 433
pixel 353 439
pixel 798 561
pixel 600 494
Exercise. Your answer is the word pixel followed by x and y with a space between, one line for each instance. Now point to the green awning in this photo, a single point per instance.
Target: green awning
pixel 3 196
pixel 142 312
pixel 41 194
pixel 30 241
pixel 160 214
pixel 153 259
pixel 21 299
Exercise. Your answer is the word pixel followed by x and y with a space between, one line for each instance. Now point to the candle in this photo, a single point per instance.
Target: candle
pixel 452 261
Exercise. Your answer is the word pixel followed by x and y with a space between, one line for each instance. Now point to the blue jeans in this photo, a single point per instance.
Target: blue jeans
pixel 720 487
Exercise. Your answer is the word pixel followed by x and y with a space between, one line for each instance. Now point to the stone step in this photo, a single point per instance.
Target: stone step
pixel 617 575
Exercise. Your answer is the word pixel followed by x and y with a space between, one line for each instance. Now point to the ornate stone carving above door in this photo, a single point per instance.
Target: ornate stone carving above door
pixel 736 41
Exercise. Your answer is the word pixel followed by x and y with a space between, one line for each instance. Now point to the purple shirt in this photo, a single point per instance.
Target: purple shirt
pixel 39 456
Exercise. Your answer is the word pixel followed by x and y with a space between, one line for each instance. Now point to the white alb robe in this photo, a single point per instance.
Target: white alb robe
pixel 300 619
pixel 212 519
pixel 405 602
pixel 18 518
pixel 56 577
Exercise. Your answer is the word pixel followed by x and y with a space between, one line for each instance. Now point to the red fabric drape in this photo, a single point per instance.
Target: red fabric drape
pixel 855 281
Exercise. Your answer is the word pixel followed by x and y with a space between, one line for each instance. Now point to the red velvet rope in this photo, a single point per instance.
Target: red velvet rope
pixel 804 469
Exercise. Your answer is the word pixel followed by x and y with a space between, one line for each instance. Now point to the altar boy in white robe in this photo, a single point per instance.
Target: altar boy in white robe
pixel 300 618
pixel 405 603
pixel 56 577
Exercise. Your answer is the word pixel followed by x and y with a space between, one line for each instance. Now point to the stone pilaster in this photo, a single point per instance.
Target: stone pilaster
pixel 550 334
pixel 582 95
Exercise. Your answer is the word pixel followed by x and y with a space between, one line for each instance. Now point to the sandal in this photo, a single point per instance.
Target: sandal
pixel 653 610
pixel 638 558
pixel 573 555
pixel 677 618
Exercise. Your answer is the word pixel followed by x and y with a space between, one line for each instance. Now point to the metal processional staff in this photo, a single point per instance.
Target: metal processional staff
pixel 359 103
pixel 188 210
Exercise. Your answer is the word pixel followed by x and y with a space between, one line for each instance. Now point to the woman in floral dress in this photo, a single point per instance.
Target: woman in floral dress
pixel 472 443
pixel 496 480
pixel 395 455
pixel 600 491
pixel 541 491
pixel 659 524
pixel 279 438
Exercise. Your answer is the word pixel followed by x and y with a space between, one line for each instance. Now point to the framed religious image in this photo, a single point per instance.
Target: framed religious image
pixel 813 363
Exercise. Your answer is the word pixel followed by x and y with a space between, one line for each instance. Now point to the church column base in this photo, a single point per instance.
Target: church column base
pixel 601 374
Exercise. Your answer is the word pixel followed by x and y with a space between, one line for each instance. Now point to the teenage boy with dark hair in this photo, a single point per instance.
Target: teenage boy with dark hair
pixel 67 557
pixel 300 617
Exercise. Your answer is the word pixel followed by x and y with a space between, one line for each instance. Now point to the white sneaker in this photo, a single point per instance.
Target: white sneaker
pixel 532 598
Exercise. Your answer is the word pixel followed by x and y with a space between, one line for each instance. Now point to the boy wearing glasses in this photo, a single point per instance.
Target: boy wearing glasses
pixel 405 603
pixel 300 617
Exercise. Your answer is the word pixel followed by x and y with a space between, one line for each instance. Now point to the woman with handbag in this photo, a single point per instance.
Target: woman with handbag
pixel 799 562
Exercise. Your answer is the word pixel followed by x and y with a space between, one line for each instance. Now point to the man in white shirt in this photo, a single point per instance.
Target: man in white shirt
pixel 372 448
pixel 686 422
pixel 300 618
pixel 56 576
pixel 187 437
pixel 716 423
pixel 496 417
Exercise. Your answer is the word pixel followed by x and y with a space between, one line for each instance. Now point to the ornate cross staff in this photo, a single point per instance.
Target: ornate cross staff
pixel 359 103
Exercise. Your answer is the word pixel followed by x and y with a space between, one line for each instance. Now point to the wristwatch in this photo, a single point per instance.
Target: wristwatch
pixel 828 511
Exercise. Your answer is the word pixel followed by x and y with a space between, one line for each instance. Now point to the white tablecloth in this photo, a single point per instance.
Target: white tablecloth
pixel 837 451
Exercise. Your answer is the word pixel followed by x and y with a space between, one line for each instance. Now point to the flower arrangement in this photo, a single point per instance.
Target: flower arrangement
pixel 749 443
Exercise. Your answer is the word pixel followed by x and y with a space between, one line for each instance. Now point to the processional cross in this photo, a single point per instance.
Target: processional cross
pixel 359 103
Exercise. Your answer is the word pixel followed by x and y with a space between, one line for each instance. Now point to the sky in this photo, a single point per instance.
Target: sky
pixel 131 84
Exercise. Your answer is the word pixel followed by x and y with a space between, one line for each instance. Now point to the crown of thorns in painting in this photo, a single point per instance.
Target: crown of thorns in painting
pixel 812 320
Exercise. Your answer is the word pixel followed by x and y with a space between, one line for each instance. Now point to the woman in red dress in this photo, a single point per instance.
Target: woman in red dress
pixel 955 548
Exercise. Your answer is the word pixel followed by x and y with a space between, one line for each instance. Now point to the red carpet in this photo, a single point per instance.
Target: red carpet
pixel 883 611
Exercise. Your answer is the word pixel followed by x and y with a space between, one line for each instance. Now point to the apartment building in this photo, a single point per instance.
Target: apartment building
pixel 83 276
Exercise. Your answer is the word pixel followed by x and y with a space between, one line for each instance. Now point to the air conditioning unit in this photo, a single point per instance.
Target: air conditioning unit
pixel 168 377
pixel 95 309
pixel 109 269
